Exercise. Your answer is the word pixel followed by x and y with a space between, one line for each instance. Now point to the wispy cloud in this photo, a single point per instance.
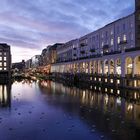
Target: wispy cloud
pixel 33 24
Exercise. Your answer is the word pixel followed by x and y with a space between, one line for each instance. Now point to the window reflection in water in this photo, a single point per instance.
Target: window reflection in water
pixel 117 101
pixel 5 95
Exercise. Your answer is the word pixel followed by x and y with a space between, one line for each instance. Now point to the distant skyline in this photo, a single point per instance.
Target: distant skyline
pixel 30 25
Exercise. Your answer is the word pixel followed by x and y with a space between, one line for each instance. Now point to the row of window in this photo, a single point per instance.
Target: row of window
pixel 3 58
pixel 3 68
pixel 2 53
pixel 3 64
pixel 131 37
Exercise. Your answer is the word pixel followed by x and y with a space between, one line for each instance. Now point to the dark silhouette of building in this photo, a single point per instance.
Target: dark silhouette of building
pixel 20 66
pixel 5 62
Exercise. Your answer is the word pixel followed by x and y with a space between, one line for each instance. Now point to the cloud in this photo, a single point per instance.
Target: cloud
pixel 19 54
pixel 34 24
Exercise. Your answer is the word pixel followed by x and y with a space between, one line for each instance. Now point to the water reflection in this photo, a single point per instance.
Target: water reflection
pixel 112 110
pixel 5 95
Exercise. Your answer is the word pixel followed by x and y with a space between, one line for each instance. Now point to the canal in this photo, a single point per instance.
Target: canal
pixel 46 110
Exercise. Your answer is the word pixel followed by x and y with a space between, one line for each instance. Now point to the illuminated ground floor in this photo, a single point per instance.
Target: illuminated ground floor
pixel 109 68
pixel 119 64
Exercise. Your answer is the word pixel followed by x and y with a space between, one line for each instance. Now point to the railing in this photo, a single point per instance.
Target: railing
pixel 111 53
pixel 123 42
pixel 106 47
pixel 83 44
pixel 82 52
pixel 92 50
pixel 132 49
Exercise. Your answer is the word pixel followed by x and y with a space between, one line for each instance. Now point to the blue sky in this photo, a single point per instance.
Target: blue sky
pixel 30 25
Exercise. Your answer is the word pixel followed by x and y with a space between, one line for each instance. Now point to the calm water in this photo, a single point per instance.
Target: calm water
pixel 51 111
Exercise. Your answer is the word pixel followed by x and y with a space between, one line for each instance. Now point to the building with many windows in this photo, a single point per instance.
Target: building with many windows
pixel 111 50
pixel 5 62
pixel 35 63
pixel 49 57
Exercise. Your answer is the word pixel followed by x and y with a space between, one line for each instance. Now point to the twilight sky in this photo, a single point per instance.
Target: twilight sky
pixel 30 25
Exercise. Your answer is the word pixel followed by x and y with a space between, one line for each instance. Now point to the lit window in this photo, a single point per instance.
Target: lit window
pixel 112 42
pixel 0 58
pixel 4 53
pixel 0 53
pixel 5 58
pixel 118 91
pixel 118 81
pixel 5 68
pixel 102 44
pixel 0 63
pixel 111 80
pixel 0 68
pixel 119 40
pixel 5 64
pixel 124 38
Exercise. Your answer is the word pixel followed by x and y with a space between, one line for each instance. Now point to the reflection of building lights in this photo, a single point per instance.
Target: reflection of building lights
pixel 44 84
pixel 84 94
pixel 105 89
pixel 118 101
pixel 99 88
pixel 99 79
pixel 111 90
pixel 91 78
pixel 106 99
pixel 135 95
pixel 111 80
pixel 95 79
pixel 92 98
pixel 118 91
pixel 86 70
pixel 118 81
pixel 3 94
pixel 95 88
pixel 90 87
pixel 135 83
pixel 106 80
pixel 130 107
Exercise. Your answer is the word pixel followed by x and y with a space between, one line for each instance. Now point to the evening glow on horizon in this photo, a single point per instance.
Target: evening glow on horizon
pixel 30 25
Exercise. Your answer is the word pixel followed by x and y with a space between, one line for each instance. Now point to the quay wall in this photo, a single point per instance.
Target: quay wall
pixel 96 71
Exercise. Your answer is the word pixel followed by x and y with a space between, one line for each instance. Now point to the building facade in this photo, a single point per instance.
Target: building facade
pixel 35 61
pixel 113 49
pixel 28 64
pixel 5 62
pixel 49 57
pixel 19 66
